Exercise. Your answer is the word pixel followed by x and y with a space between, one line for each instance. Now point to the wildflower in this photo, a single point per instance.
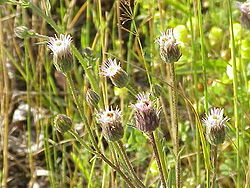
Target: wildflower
pixel 113 70
pixel 62 56
pixel 169 50
pixel 92 98
pixel 146 116
pixel 215 126
pixel 110 121
pixel 62 123
pixel 244 8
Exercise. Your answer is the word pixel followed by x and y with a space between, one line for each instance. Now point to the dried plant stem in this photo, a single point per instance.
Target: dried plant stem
pixel 152 141
pixel 5 101
pixel 128 163
pixel 214 160
pixel 174 121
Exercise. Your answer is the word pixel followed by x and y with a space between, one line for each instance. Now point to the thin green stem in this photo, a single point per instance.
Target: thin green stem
pixel 28 89
pixel 128 163
pixel 80 109
pixel 85 145
pixel 195 81
pixel 130 40
pixel 48 157
pixel 98 151
pixel 152 141
pixel 235 90
pixel 203 54
pixel 174 121
pixel 203 59
pixel 103 157
pixel 214 160
pixel 161 154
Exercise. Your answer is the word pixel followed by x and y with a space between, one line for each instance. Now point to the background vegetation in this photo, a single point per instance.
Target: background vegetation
pixel 213 71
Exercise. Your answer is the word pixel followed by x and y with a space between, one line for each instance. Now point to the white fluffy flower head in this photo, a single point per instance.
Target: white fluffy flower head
pixel 109 115
pixel 167 38
pixel 110 68
pixel 215 118
pixel 143 102
pixel 169 50
pixel 60 46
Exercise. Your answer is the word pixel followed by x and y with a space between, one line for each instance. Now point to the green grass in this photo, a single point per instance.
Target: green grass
pixel 213 71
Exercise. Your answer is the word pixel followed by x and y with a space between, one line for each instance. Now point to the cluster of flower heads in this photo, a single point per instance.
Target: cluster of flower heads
pixel 146 116
pixel 215 126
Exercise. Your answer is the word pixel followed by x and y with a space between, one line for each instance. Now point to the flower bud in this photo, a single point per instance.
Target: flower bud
pixel 146 116
pixel 62 123
pixel 110 121
pixel 215 126
pixel 114 71
pixel 23 32
pixel 120 79
pixel 169 49
pixel 92 98
pixel 62 56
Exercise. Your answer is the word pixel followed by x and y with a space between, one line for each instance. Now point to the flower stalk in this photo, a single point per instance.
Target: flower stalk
pixel 97 149
pixel 129 165
pixel 170 54
pixel 214 161
pixel 147 121
pixel 157 158
pixel 215 133
pixel 174 121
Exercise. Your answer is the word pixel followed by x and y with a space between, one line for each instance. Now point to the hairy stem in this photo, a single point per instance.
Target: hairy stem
pixel 128 163
pixel 174 121
pixel 152 141
pixel 104 158
pixel 214 160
